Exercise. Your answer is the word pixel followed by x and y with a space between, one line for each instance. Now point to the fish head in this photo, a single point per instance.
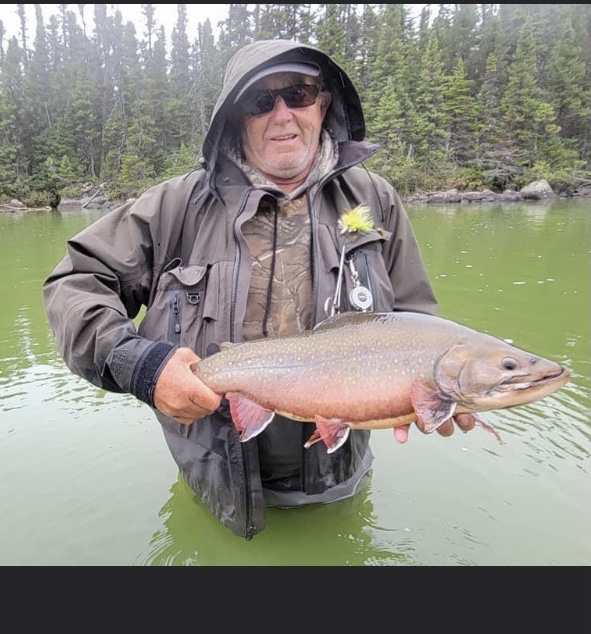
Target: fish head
pixel 484 373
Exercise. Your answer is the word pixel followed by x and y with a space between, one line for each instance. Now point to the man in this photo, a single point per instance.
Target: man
pixel 248 246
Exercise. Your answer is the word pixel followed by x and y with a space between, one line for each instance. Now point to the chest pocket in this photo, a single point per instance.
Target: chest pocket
pixel 184 289
pixel 185 306
pixel 369 267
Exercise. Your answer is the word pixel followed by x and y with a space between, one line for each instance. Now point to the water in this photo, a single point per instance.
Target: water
pixel 86 479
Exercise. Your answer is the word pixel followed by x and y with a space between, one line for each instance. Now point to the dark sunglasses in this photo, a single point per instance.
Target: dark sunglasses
pixel 263 101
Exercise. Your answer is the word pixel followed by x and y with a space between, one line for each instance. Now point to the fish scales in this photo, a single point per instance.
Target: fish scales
pixel 331 373
pixel 376 370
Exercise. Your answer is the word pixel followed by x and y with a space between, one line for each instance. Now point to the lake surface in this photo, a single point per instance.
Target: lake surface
pixel 86 478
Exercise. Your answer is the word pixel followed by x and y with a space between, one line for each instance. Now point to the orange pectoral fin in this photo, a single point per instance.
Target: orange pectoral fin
pixel 332 431
pixel 249 418
pixel 431 409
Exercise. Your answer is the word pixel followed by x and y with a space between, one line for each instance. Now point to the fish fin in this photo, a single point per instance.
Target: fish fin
pixel 314 438
pixel 344 319
pixel 333 432
pixel 489 428
pixel 430 407
pixel 249 418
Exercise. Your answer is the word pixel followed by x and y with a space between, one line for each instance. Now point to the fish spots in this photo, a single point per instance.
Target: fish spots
pixel 359 368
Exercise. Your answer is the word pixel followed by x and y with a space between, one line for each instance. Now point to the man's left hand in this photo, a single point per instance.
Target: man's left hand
pixel 466 422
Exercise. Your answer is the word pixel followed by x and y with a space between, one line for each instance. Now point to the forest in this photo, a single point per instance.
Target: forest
pixel 466 96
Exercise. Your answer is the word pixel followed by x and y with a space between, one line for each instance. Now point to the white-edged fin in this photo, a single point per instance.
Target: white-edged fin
pixel 249 418
pixel 314 438
pixel 333 432
pixel 430 407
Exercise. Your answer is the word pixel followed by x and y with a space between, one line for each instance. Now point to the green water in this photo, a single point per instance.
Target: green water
pixel 86 479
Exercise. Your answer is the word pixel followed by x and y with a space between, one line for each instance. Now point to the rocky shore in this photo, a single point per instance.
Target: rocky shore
pixel 538 190
pixel 95 198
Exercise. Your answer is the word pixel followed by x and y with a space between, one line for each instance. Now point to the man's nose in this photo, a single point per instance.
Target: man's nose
pixel 281 109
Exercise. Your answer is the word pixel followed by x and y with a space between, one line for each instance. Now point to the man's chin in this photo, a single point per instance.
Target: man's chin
pixel 288 169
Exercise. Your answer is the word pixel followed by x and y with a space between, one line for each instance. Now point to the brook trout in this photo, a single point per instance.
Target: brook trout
pixel 375 371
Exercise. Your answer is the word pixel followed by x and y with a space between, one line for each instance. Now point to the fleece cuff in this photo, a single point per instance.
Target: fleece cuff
pixel 148 370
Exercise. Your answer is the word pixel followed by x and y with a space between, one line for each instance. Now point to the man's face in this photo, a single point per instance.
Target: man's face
pixel 282 143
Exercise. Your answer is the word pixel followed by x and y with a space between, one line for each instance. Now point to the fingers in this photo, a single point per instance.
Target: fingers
pixel 401 433
pixel 180 394
pixel 446 429
pixel 465 422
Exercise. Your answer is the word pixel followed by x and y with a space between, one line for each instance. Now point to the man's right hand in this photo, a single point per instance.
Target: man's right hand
pixel 180 394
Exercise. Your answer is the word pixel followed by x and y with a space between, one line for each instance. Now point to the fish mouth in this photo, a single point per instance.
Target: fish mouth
pixel 518 390
pixel 557 377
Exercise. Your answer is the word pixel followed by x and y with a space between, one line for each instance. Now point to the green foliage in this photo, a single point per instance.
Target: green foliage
pixel 182 162
pixel 136 173
pixel 40 199
pixel 473 96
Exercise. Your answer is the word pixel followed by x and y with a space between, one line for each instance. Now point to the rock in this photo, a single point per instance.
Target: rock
pixel 538 190
pixel 511 195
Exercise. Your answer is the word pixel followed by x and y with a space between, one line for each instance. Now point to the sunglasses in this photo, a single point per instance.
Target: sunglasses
pixel 263 101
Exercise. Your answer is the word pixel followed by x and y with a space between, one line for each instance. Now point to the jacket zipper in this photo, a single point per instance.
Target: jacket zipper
pixel 249 529
pixel 235 272
pixel 174 322
pixel 368 275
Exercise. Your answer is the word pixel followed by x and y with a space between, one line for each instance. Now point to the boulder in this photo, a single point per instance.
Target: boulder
pixel 538 190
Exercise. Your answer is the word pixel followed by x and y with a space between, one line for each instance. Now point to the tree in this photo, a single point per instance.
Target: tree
pixel 461 110
pixel 466 95
pixel 568 90
pixel 208 69
pixel 526 117
pixel 430 129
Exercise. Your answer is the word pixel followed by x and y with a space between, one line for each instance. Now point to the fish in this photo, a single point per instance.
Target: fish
pixel 375 371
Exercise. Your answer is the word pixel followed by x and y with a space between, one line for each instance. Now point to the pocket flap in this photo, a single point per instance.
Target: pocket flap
pixel 182 277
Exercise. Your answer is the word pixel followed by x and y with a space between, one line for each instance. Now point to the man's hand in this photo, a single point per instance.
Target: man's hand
pixel 180 394
pixel 465 422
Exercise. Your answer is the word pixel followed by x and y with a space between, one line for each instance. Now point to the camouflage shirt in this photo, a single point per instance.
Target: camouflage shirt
pixel 279 237
pixel 284 305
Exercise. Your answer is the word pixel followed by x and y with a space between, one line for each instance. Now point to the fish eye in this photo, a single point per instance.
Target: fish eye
pixel 509 364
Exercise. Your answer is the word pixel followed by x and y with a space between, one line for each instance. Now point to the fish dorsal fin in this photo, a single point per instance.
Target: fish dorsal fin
pixel 343 319
pixel 430 406
pixel 249 418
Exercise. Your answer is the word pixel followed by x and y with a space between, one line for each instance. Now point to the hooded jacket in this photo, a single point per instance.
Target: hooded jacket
pixel 177 256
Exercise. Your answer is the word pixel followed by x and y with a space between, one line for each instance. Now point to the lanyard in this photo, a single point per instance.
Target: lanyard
pixel 360 296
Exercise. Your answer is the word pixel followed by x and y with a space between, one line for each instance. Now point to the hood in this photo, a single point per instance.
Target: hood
pixel 344 118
